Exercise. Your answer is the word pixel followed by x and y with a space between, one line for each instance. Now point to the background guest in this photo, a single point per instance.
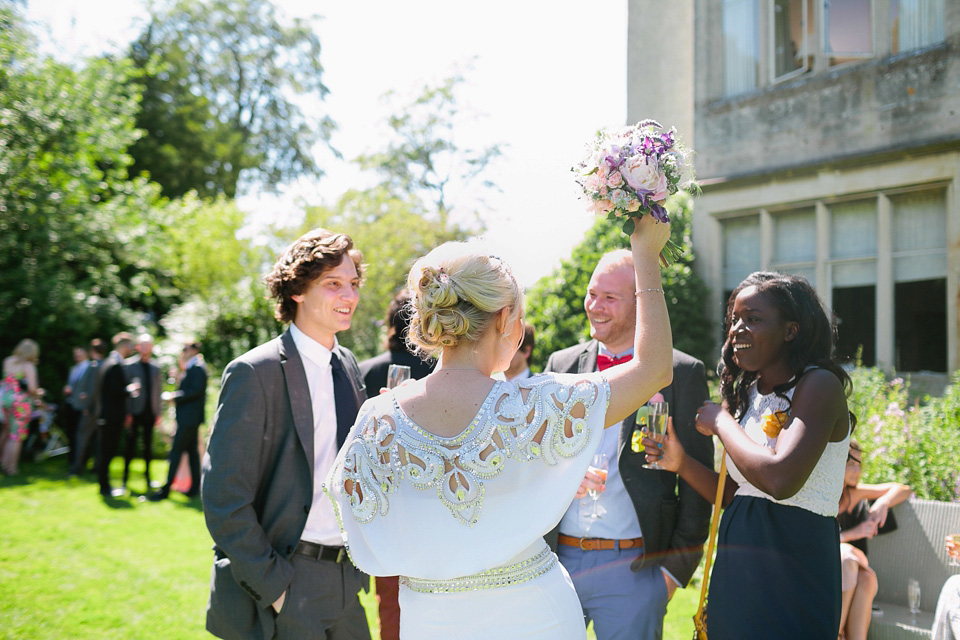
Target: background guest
pixel 946 619
pixel 72 407
pixel 87 400
pixel 519 368
pixel 864 510
pixel 374 370
pixel 190 400
pixel 18 391
pixel 114 413
pixel 144 406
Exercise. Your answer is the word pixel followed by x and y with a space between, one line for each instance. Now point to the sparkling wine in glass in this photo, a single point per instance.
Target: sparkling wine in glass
pixel 657 414
pixel 396 374
pixel 913 596
pixel 599 467
pixel 955 537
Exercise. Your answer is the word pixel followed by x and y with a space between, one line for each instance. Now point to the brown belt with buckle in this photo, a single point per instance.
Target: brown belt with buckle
pixel 598 544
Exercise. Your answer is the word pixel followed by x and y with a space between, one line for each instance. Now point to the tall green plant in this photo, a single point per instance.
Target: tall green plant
pixel 916 443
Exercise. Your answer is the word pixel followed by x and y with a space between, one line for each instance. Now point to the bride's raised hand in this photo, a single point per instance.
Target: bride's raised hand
pixel 650 235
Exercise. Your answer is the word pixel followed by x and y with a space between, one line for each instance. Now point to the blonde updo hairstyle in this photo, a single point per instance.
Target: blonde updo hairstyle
pixel 456 293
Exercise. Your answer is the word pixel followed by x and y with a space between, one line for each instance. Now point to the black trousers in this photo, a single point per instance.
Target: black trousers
pixel 185 440
pixel 142 426
pixel 109 445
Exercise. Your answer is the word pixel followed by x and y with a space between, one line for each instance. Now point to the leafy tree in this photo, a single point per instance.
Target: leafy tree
pixel 555 303
pixel 217 80
pixel 423 158
pixel 219 274
pixel 69 250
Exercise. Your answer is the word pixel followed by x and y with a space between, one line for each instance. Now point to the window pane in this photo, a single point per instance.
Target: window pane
pixel 795 237
pixel 915 23
pixel 919 236
pixel 739 46
pixel 847 28
pixel 920 325
pixel 790 24
pixel 741 250
pixel 854 309
pixel 853 229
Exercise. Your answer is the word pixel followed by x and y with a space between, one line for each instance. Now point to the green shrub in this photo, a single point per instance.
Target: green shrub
pixel 914 443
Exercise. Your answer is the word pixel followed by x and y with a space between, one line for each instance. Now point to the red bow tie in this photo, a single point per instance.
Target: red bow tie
pixel 605 361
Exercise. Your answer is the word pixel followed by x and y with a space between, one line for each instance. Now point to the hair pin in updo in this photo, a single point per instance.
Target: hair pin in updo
pixel 442 276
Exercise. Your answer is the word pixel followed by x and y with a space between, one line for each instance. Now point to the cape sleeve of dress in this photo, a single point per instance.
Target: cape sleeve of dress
pixel 415 504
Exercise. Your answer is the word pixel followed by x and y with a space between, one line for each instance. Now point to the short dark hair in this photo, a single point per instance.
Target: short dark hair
pixel 304 261
pixel 398 319
pixel 528 339
pixel 98 346
pixel 123 337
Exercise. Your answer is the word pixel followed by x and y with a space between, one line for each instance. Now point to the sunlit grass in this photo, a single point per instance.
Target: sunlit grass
pixel 73 565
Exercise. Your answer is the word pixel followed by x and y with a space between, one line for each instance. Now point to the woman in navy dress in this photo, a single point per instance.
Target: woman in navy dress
pixel 785 427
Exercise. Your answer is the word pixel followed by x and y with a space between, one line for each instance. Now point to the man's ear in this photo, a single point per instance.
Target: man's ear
pixel 793 328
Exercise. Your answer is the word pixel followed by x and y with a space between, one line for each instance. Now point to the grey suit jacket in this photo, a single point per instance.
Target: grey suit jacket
pixel 136 406
pixel 673 517
pixel 257 483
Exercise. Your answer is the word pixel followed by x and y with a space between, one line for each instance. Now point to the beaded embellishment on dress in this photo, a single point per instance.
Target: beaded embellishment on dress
pixel 389 448
pixel 517 573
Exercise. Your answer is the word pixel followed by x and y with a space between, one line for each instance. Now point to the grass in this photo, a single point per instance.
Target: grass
pixel 73 565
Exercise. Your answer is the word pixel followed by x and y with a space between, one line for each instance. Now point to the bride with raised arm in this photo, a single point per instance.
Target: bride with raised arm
pixel 451 481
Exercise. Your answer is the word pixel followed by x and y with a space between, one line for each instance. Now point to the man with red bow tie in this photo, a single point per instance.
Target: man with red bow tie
pixel 627 564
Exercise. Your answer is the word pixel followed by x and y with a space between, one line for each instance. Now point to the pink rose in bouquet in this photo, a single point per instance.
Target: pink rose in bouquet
pixel 640 173
pixel 630 173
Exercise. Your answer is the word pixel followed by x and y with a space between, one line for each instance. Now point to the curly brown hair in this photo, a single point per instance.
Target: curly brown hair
pixel 304 261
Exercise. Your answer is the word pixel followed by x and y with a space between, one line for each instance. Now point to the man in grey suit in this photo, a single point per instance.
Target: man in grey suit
pixel 280 570
pixel 144 405
pixel 87 396
pixel 627 564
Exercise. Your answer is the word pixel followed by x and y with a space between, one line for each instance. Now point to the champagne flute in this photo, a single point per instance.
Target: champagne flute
pixel 913 596
pixel 599 467
pixel 657 414
pixel 397 373
pixel 955 537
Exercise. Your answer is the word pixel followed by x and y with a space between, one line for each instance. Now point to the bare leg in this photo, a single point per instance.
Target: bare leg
pixel 11 457
pixel 861 605
pixel 849 572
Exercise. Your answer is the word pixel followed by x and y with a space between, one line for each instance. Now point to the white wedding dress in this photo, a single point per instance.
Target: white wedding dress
pixel 461 519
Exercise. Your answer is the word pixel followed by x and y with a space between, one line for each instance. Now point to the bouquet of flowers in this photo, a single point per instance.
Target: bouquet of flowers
pixel 630 172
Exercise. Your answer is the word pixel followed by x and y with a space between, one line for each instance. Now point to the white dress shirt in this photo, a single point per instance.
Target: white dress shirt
pixel 322 526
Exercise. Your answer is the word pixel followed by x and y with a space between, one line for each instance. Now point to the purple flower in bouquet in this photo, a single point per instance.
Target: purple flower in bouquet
pixel 630 172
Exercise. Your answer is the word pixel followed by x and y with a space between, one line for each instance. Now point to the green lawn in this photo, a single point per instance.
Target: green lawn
pixel 75 566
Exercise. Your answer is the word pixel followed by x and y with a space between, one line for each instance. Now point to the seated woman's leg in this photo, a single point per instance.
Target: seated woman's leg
pixel 861 606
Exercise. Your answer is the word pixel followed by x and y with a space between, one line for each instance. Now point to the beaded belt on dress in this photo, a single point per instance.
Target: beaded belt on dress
pixel 520 572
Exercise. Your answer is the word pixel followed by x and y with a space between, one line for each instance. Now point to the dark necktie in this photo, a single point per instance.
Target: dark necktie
pixel 344 399
pixel 145 388
pixel 605 361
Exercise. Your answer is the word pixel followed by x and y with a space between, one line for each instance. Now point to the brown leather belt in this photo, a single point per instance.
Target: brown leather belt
pixel 598 544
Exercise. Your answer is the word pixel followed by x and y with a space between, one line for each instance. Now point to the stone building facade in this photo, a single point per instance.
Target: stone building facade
pixel 827 137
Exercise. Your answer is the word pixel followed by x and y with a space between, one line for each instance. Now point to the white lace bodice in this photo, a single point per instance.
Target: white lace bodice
pixel 415 504
pixel 821 492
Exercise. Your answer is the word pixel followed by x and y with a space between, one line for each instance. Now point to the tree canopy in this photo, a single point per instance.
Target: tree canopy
pixel 223 83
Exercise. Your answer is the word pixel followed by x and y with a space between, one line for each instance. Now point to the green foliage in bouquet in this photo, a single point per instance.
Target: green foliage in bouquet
pixel 916 443
pixel 555 303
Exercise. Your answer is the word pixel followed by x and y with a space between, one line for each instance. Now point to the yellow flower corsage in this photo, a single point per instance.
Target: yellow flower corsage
pixel 773 423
